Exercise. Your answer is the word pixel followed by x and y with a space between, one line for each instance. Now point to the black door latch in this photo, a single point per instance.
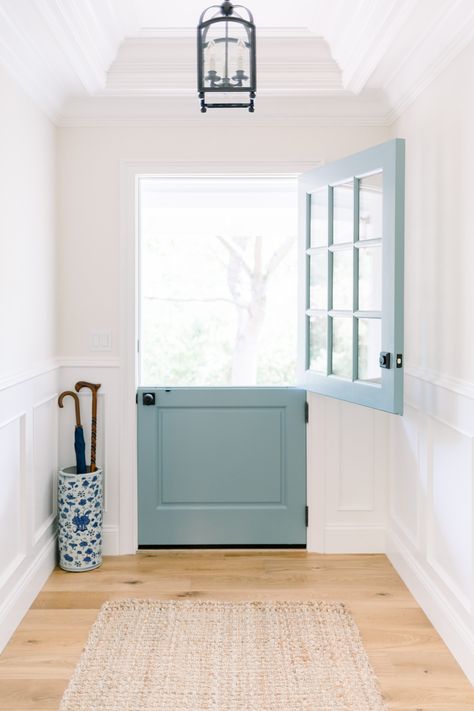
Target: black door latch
pixel 384 360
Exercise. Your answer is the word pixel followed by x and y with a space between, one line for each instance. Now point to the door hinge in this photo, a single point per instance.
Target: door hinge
pixel 306 516
pixel 136 398
pixel 306 412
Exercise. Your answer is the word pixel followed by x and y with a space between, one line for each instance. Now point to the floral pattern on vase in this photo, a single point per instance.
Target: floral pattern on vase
pixel 80 507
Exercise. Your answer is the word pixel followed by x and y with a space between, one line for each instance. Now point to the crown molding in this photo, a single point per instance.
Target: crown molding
pixel 369 109
pixel 178 33
pixel 55 49
pixel 92 121
pixel 87 38
pixel 26 64
pixel 448 34
pixel 362 40
pixel 397 46
pixel 166 66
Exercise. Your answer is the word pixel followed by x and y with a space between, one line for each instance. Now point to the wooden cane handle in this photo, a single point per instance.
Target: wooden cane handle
pixel 76 404
pixel 93 387
pixel 84 384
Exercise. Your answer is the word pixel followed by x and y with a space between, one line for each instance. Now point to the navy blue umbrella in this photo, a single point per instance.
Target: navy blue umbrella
pixel 79 442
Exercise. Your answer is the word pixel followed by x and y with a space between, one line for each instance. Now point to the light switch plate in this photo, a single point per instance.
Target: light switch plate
pixel 101 341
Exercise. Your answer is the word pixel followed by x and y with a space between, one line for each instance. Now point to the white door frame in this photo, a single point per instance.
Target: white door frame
pixel 129 173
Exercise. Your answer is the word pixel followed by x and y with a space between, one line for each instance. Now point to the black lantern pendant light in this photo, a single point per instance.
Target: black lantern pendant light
pixel 226 56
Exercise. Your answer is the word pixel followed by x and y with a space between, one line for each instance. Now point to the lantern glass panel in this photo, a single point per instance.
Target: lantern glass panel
pixel 226 50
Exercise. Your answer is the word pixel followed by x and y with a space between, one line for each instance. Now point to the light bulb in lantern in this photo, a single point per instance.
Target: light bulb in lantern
pixel 240 55
pixel 211 53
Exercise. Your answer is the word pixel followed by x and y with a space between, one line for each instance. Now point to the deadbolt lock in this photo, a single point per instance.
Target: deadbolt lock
pixel 384 360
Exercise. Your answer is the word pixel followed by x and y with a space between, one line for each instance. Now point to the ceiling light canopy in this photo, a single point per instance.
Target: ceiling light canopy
pixel 226 57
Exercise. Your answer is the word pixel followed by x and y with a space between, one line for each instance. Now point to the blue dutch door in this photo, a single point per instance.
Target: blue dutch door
pixel 221 425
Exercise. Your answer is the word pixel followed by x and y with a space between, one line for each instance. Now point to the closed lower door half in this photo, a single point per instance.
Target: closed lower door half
pixel 222 466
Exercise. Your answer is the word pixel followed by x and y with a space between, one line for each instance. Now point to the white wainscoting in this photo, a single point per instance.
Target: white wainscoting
pixel 431 515
pixel 108 432
pixel 426 522
pixel 28 465
pixel 36 438
pixel 347 477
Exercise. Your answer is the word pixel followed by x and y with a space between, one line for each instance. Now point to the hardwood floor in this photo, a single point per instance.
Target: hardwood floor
pixel 415 669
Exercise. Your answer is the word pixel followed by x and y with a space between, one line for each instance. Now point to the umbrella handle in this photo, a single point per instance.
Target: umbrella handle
pixel 76 404
pixel 93 387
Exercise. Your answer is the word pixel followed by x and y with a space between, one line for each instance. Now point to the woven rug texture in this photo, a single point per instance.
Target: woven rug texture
pixel 150 655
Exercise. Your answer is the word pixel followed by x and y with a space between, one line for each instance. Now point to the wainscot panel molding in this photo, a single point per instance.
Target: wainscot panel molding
pixel 24 376
pixel 14 519
pixel 36 439
pixel 45 462
pixel 84 362
pixel 347 477
pixel 431 516
pixel 28 462
pixel 15 604
pixel 432 377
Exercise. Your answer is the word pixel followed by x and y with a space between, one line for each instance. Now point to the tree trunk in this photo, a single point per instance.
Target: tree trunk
pixel 250 322
pixel 248 288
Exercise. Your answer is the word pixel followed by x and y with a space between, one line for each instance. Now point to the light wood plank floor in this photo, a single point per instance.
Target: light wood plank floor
pixel 416 671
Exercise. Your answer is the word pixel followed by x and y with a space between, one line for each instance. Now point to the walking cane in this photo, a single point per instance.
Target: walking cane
pixel 79 443
pixel 93 387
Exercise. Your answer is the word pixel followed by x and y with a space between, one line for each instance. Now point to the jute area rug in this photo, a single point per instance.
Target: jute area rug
pixel 149 655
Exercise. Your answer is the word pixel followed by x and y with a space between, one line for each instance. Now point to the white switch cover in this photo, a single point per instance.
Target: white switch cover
pixel 101 341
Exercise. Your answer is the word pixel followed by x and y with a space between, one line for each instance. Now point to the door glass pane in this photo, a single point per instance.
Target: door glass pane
pixel 343 213
pixel 370 278
pixel 342 280
pixel 318 275
pixel 318 343
pixel 319 218
pixel 217 281
pixel 371 207
pixel 342 347
pixel 370 345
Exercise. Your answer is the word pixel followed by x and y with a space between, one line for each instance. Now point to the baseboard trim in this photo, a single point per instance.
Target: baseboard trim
pixel 340 538
pixel 21 597
pixel 111 540
pixel 224 546
pixel 454 631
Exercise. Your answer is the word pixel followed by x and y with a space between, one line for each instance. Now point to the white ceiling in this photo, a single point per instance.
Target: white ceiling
pixel 87 61
pixel 269 16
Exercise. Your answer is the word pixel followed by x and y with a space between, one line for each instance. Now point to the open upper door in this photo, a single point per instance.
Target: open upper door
pixel 351 277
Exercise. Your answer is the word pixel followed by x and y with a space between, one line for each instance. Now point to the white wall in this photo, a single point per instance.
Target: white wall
pixel 431 522
pixel 90 161
pixel 28 345
pixel 89 198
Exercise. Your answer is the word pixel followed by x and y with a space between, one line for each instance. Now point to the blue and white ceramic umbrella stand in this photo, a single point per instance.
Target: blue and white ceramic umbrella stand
pixel 80 505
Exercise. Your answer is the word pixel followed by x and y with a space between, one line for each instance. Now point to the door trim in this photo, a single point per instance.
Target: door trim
pixel 129 173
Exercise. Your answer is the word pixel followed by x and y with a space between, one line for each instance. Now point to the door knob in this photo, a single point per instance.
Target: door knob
pixel 149 398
